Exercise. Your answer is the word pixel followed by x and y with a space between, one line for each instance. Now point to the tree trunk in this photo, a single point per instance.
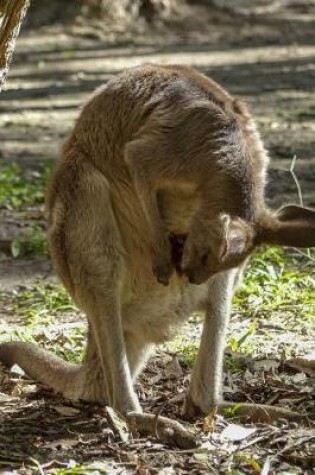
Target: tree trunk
pixel 12 13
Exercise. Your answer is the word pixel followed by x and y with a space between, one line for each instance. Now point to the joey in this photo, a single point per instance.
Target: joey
pixel 161 182
pixel 224 244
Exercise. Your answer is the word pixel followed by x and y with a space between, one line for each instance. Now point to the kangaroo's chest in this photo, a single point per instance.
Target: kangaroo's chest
pixel 157 312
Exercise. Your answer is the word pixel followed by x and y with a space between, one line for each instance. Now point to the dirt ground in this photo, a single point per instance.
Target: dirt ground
pixel 265 57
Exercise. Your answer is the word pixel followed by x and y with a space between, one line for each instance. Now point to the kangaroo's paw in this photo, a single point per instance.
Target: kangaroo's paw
pixel 166 430
pixel 163 269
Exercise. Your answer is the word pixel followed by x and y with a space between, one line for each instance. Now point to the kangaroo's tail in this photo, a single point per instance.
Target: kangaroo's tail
pixel 45 367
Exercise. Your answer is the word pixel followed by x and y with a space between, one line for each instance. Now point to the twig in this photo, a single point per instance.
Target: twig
pixel 38 466
pixel 305 254
pixel 300 195
pixel 296 181
pixel 266 467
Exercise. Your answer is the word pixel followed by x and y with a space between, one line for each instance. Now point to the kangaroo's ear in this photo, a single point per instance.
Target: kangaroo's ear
pixel 289 226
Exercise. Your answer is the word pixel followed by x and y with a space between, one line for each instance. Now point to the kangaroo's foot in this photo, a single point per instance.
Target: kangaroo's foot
pixel 246 412
pixel 166 430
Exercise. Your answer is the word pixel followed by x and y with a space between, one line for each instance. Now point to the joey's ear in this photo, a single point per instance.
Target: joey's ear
pixel 290 226
pixel 238 238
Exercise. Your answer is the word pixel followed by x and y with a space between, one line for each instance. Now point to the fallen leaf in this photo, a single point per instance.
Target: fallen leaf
pixel 173 368
pixel 22 389
pixel 16 248
pixel 266 467
pixel 17 370
pixel 7 398
pixel 267 365
pixel 249 460
pixel 66 410
pixel 305 363
pixel 63 444
pixel 236 432
pixel 207 446
pixel 209 421
pixel 201 457
pixel 299 378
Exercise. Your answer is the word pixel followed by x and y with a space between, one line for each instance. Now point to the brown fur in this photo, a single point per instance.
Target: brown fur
pixel 161 182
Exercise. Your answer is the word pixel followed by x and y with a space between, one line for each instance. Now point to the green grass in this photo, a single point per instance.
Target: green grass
pixel 34 242
pixel 278 288
pixel 95 468
pixel 40 301
pixel 38 308
pixel 276 285
pixel 249 463
pixel 276 279
pixel 22 188
pixel 22 192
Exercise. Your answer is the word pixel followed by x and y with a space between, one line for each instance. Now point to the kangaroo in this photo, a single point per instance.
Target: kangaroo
pixel 153 210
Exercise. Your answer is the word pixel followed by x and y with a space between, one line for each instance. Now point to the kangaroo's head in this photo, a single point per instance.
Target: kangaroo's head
pixel 232 240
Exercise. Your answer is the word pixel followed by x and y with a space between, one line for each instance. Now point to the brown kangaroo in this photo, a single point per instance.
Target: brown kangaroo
pixel 154 207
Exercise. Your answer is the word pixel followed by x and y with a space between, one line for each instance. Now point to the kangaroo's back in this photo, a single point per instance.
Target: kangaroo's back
pixel 150 100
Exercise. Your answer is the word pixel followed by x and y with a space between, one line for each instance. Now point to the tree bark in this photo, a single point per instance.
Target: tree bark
pixel 12 13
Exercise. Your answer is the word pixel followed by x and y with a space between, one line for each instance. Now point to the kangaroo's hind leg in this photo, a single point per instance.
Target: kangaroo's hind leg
pixel 96 262
pixel 95 256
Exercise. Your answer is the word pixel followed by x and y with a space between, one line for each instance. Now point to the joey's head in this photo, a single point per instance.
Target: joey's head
pixel 227 242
